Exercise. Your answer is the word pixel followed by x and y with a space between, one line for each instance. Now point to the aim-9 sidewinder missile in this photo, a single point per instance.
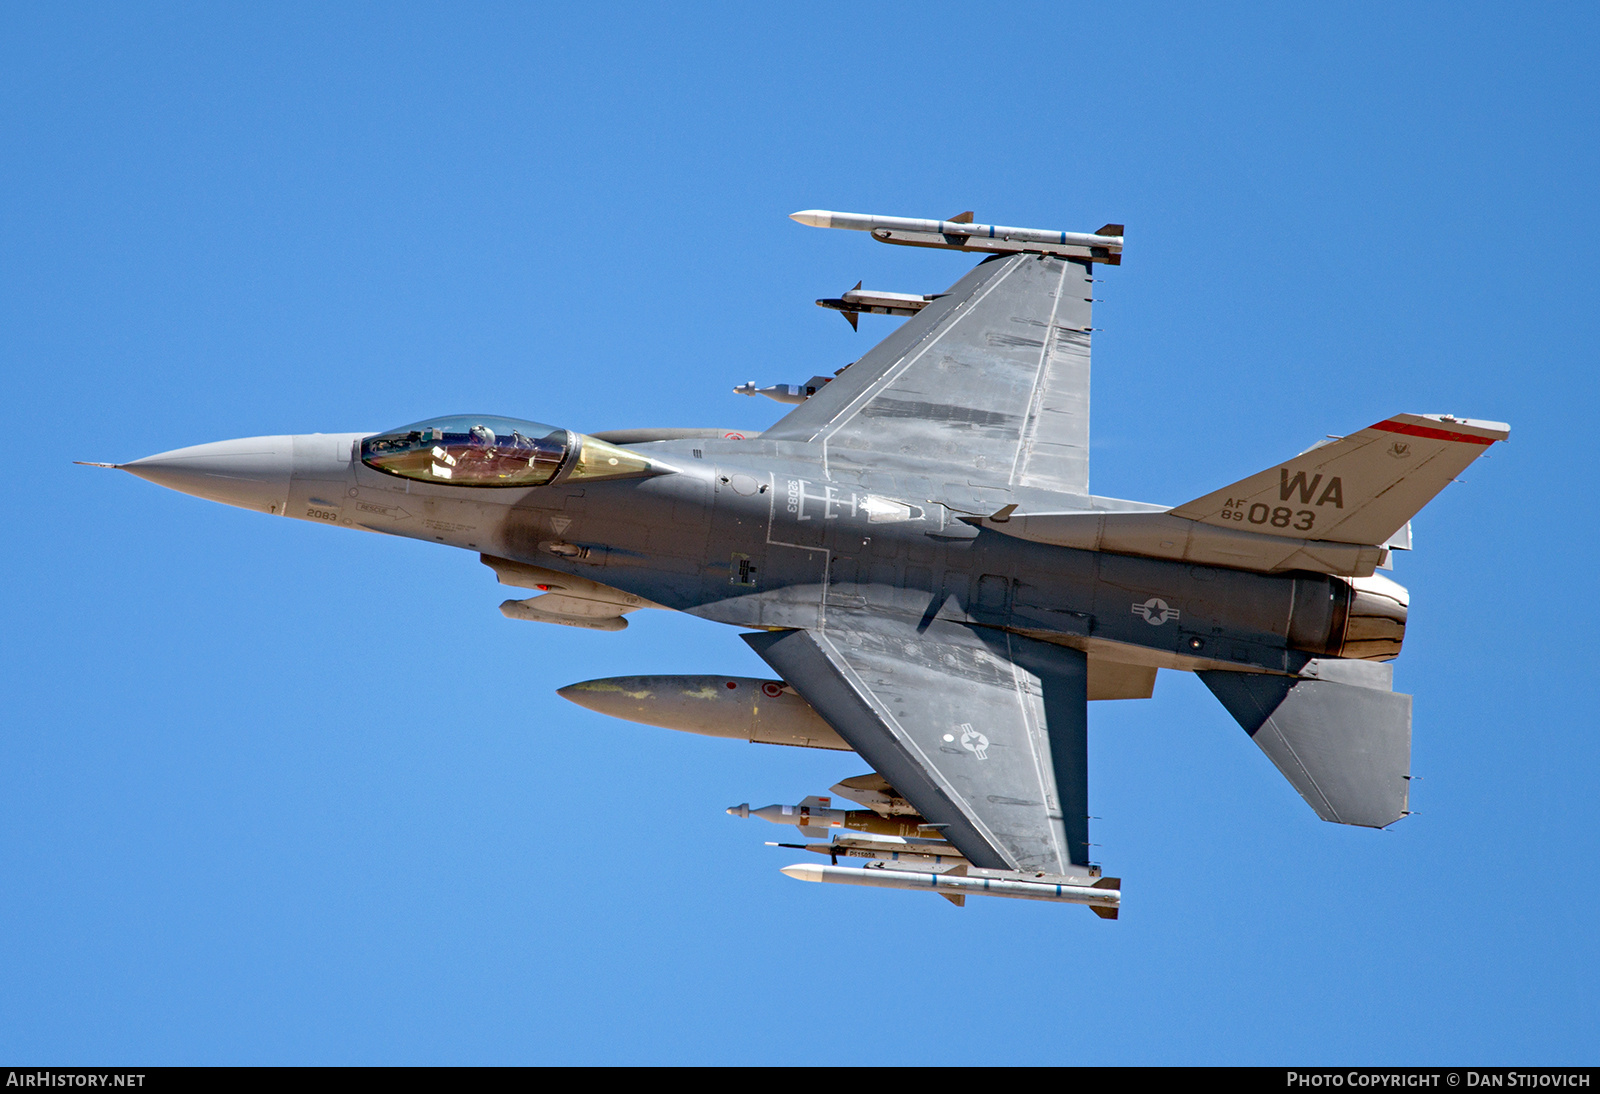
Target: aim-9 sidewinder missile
pixel 959 233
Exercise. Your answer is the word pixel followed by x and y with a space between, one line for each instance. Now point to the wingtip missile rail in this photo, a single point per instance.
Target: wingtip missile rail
pixel 1104 245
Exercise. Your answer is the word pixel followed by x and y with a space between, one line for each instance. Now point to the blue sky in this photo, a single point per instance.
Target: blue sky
pixel 247 812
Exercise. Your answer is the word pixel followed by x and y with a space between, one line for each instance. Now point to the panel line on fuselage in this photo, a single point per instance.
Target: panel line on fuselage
pixel 827 554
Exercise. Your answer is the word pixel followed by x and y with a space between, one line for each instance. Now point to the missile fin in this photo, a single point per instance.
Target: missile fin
pixel 962 218
pixel 959 899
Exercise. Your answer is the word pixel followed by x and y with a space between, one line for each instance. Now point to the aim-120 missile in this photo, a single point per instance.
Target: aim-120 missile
pixel 961 234
pixel 814 817
pixel 857 301
pixel 1104 896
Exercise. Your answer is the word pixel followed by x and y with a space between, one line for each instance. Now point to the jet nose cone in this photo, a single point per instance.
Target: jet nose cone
pixel 252 473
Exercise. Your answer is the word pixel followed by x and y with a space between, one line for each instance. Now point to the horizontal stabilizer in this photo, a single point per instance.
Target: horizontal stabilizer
pixel 1360 489
pixel 1337 732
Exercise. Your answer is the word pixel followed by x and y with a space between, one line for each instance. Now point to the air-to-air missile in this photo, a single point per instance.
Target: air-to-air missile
pixel 961 234
pixel 857 301
pixel 892 833
pixel 1104 896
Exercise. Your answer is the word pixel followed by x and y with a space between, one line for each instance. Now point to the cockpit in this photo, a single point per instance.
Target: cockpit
pixel 480 450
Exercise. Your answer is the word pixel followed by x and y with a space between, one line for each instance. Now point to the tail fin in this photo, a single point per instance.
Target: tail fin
pixel 1360 489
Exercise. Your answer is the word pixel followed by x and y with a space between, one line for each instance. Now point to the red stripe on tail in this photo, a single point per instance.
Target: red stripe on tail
pixel 1432 433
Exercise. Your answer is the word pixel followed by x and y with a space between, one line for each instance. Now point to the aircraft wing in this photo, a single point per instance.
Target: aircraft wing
pixel 984 732
pixel 993 376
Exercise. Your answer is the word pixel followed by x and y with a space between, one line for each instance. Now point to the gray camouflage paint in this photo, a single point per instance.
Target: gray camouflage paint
pixel 862 538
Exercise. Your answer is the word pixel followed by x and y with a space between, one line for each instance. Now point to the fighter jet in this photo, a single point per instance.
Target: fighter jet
pixel 914 550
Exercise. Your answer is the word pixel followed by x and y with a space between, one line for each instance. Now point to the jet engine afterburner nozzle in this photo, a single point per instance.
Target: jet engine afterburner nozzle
pixel 1357 618
pixel 1375 626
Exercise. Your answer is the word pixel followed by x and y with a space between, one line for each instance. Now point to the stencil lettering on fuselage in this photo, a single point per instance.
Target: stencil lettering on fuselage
pixel 804 501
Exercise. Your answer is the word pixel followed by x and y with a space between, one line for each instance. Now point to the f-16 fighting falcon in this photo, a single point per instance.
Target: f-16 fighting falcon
pixel 915 552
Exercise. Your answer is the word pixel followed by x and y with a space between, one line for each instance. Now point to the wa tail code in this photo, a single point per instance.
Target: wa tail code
pixel 1288 486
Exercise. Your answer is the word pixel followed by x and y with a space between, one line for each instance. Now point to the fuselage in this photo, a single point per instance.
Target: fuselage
pixel 759 534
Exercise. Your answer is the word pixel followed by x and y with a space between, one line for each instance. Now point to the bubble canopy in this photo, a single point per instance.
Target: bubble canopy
pixel 483 450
